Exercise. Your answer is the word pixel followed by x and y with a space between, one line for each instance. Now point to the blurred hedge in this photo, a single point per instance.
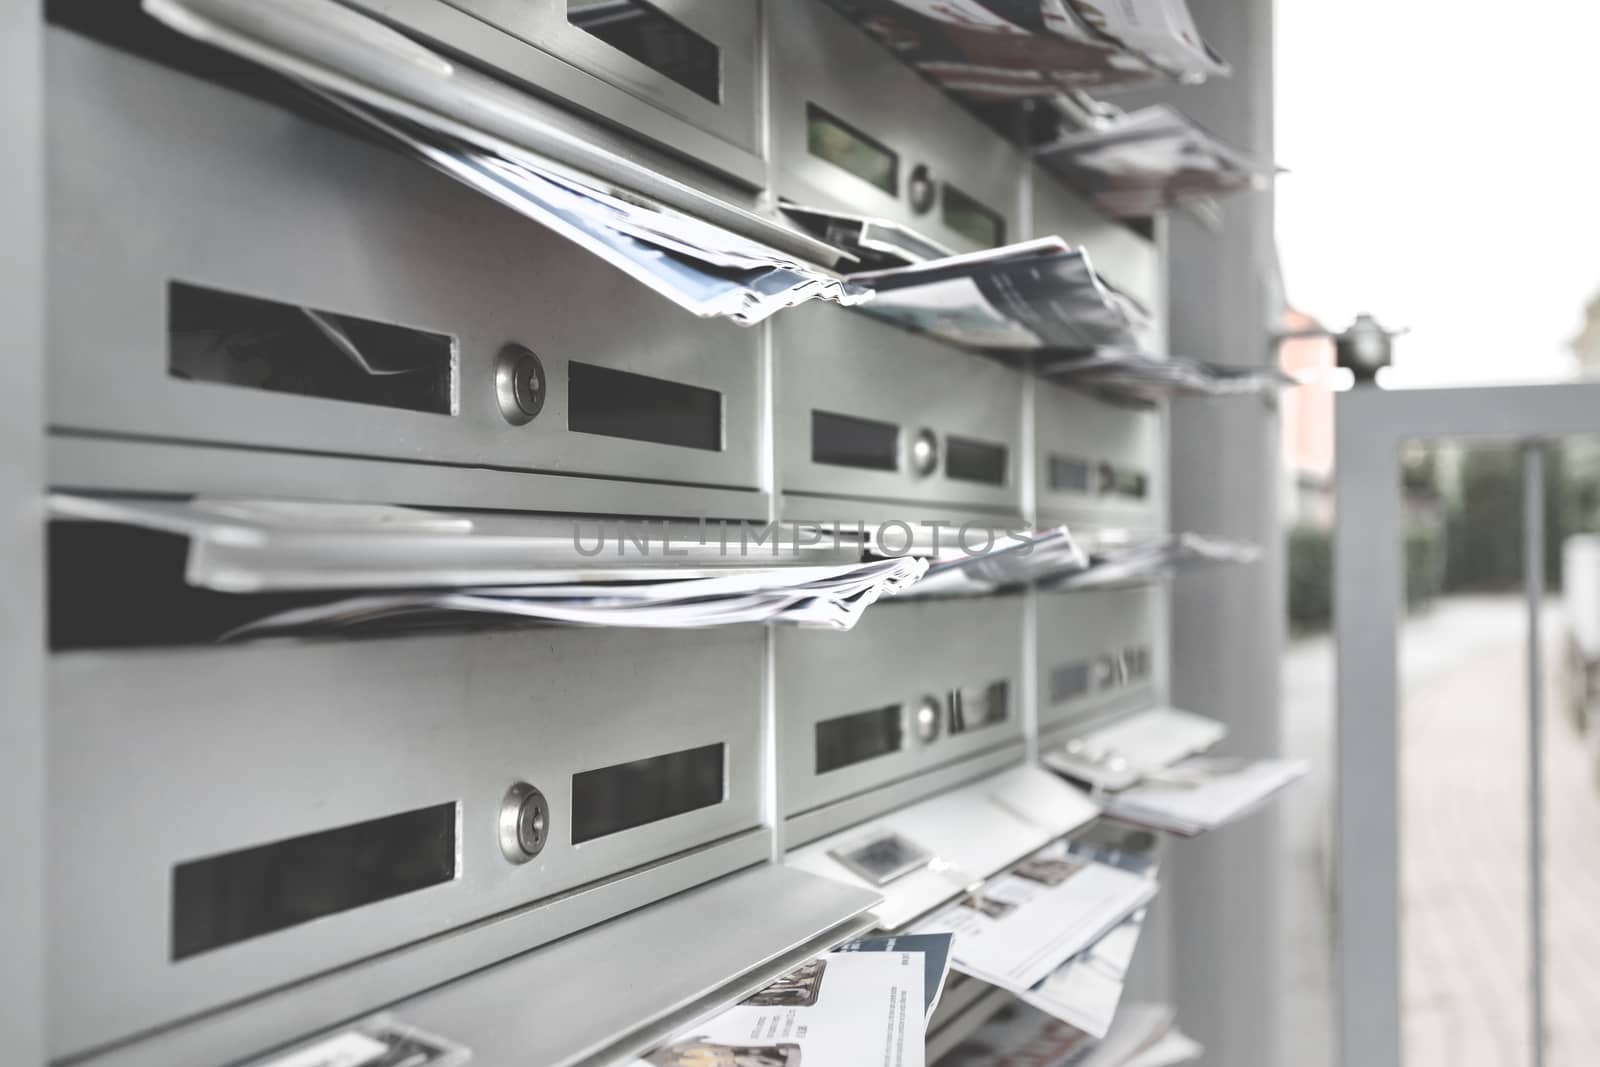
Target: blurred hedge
pixel 1310 567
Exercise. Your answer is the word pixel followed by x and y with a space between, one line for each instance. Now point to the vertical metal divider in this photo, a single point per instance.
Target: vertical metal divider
pixel 772 808
pixel 22 641
pixel 1027 471
pixel 1533 499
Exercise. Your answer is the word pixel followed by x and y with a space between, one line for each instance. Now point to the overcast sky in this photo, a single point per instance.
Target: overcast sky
pixel 1444 160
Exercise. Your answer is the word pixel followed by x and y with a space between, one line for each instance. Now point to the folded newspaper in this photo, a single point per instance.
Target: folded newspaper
pixel 1015 49
pixel 1137 378
pixel 1119 754
pixel 1202 793
pixel 1114 565
pixel 382 566
pixel 1021 297
pixel 862 1006
pixel 476 129
pixel 1085 991
pixel 699 266
pixel 1041 555
pixel 1141 163
pixel 1020 926
pixel 1018 1034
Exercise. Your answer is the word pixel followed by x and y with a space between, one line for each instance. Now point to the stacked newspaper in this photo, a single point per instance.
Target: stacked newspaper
pixel 1140 163
pixel 1020 926
pixel 366 566
pixel 1015 49
pixel 1202 793
pixel 1085 991
pixel 1135 377
pixel 1143 1035
pixel 863 1005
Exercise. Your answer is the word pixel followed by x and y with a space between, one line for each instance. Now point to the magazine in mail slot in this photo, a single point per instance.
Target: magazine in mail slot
pixel 856 1007
pixel 1020 926
pixel 1202 793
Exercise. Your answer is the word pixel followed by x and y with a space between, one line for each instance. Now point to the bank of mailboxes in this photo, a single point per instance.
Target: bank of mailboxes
pixel 259 842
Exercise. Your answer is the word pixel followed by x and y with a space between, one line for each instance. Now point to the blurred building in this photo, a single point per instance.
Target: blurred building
pixel 1307 422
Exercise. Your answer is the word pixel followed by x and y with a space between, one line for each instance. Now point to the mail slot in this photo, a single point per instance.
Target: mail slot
pixel 853 129
pixel 235 820
pixel 894 709
pixel 230 273
pixel 1098 652
pixel 1099 464
pixel 1124 258
pixel 680 73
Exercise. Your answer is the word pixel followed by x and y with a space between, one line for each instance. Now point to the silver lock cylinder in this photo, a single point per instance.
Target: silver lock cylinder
pixel 519 384
pixel 927 720
pixel 524 823
pixel 924 453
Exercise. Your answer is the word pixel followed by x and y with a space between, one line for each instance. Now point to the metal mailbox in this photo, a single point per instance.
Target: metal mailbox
pixel 853 129
pixel 1098 653
pixel 914 688
pixel 257 816
pixel 225 272
pixel 865 410
pixel 1099 464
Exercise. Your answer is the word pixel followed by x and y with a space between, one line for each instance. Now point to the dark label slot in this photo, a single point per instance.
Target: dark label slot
pixel 1126 481
pixel 1137 662
pixel 227 339
pixel 971 218
pixel 975 461
pixel 863 735
pixel 225 899
pixel 1069 682
pixel 614 403
pixel 1070 474
pixel 846 441
pixel 847 148
pixel 646 33
pixel 626 795
pixel 977 707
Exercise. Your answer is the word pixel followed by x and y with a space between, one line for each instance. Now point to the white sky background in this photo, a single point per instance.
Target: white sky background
pixel 1444 160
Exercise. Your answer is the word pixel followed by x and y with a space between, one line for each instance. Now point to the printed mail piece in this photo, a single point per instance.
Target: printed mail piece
pixel 845 1009
pixel 1022 925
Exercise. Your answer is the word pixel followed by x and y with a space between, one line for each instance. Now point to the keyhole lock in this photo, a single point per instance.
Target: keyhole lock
pixel 924 453
pixel 524 823
pixel 928 718
pixel 519 384
pixel 920 189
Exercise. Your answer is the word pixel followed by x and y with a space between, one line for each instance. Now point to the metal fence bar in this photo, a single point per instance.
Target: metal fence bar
pixel 1533 497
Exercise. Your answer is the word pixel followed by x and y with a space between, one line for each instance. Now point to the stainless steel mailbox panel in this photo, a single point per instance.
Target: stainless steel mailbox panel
pixel 835 86
pixel 157 178
pixel 165 761
pixel 869 410
pixel 696 60
pixel 843 697
pixel 1098 652
pixel 1097 463
pixel 1127 260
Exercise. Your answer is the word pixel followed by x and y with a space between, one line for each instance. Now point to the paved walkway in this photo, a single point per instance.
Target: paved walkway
pixel 1464 874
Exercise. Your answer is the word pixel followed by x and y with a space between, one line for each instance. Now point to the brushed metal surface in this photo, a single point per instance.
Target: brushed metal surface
pixel 215 749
